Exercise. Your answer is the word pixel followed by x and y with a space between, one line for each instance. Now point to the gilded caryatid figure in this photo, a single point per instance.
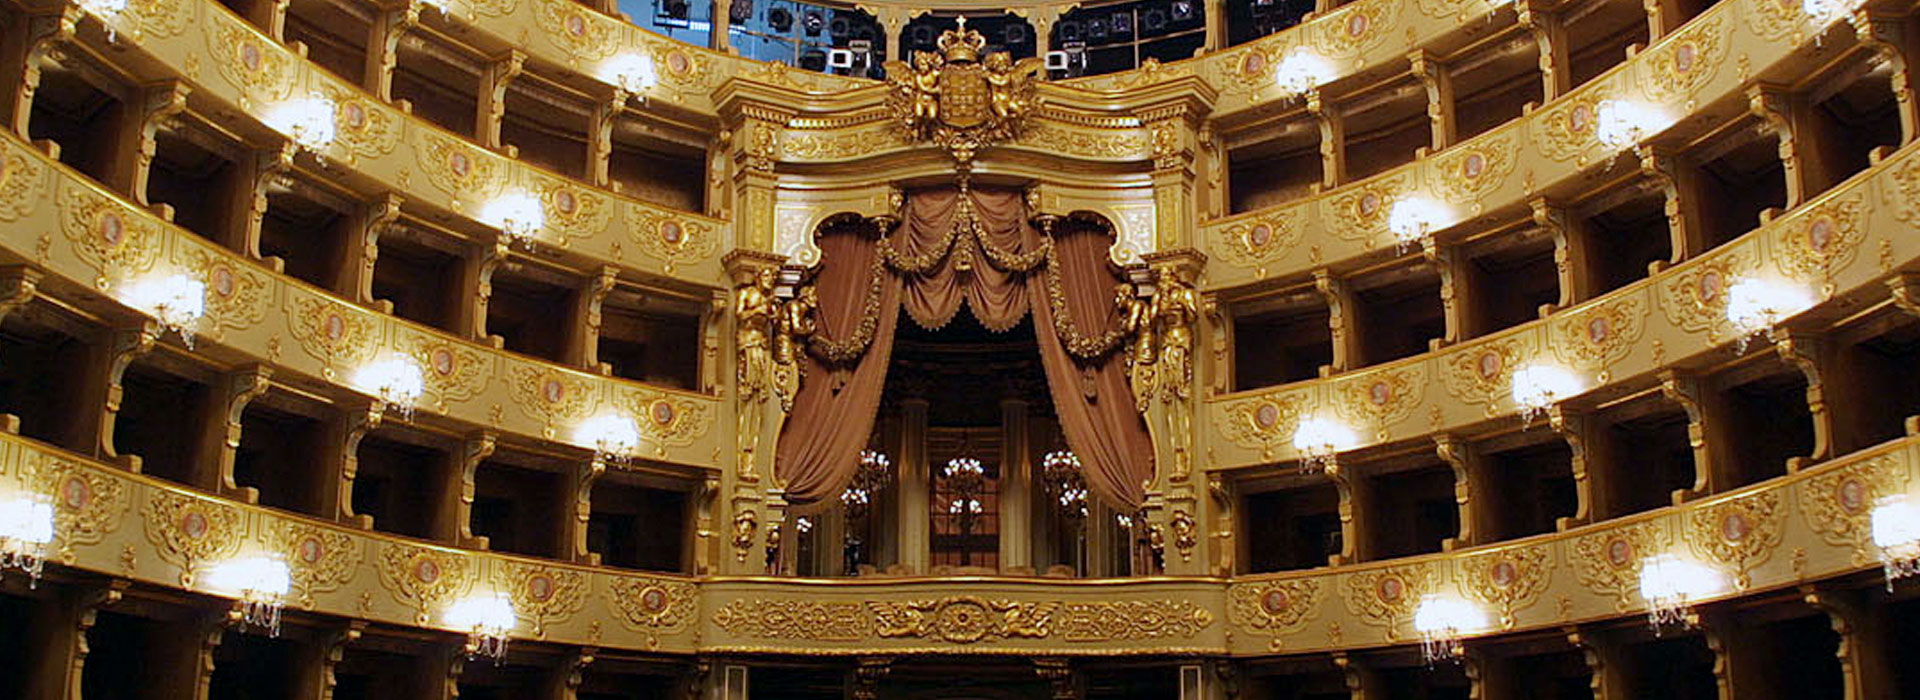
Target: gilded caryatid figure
pixel 754 311
pixel 958 98
pixel 794 323
pixel 1176 307
pixel 1136 319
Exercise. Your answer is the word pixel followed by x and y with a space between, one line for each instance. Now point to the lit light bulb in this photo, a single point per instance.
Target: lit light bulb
pixel 396 380
pixel 1896 533
pixel 176 301
pixel 1538 387
pixel 309 121
pixel 1622 124
pixel 611 435
pixel 1672 584
pixel 1320 441
pixel 1441 621
pixel 1413 218
pixel 517 214
pixel 26 528
pixel 633 72
pixel 260 586
pixel 1755 305
pixel 1301 71
pixel 487 619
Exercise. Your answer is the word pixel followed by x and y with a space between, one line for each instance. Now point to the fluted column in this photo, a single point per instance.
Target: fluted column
pixel 1016 489
pixel 913 490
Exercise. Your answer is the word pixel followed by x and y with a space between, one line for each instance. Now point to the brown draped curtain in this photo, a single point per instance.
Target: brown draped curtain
pixel 974 247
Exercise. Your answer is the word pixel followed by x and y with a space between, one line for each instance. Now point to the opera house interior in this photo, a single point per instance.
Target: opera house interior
pixel 957 350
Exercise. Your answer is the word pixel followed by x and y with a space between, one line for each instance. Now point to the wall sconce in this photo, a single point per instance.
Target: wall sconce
pixel 1896 533
pixel 26 527
pixel 1302 71
pixel 633 72
pixel 1412 219
pixel 1672 584
pixel 176 301
pixel 1623 124
pixel 1537 387
pixel 611 436
pixel 1441 620
pixel 104 9
pixel 308 121
pixel 487 619
pixel 259 585
pixel 517 214
pixel 396 381
pixel 1826 12
pixel 1755 306
pixel 1320 442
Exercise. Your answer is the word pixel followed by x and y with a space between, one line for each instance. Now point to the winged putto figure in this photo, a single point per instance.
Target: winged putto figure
pixel 958 98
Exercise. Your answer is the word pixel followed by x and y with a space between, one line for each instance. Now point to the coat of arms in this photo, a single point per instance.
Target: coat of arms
pixel 959 99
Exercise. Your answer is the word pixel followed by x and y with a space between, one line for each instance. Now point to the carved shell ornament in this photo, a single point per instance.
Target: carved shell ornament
pixel 960 98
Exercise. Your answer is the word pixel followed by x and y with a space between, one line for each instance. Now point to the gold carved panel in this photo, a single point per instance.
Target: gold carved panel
pixel 1838 505
pixel 319 559
pixel 190 531
pixel 105 236
pixel 1273 609
pixel 425 579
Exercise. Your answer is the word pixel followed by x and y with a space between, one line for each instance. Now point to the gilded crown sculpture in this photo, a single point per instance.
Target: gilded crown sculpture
pixel 962 98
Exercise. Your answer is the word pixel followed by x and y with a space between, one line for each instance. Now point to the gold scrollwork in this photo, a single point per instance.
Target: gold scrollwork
pixel 1257 241
pixel 236 292
pixel 336 334
pixel 1387 597
pixel 671 239
pixel 461 171
pixel 804 620
pixel 1509 579
pixel 1608 562
pixel 672 420
pixel 1688 60
pixel 1360 213
pixel 1381 398
pixel 573 212
pixel 1741 533
pixel 1482 373
pixel 259 67
pixel 963 619
pixel 582 33
pixel 1597 336
pixel 654 606
pixel 1838 505
pixel 366 128
pixel 1265 423
pixel 1566 130
pixel 1822 241
pixel 189 530
pixel 87 506
pixel 550 396
pixel 105 236
pixel 545 595
pixel 1694 297
pixel 452 372
pixel 21 179
pixel 319 559
pixel 1274 608
pixel 1469 173
pixel 425 579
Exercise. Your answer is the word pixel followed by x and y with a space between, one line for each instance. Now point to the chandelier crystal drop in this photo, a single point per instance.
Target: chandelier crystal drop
pixel 397 382
pixel 26 528
pixel 309 121
pixel 1672 585
pixel 517 214
pixel 868 479
pixel 487 620
pixel 259 586
pixel 1896 533
pixel 1538 387
pixel 1441 621
pixel 1320 441
pixel 611 435
pixel 176 301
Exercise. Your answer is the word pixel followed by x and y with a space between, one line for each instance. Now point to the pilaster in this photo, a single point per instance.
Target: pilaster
pixel 356 275
pixel 1333 141
pixel 125 345
pixel 1016 489
pixel 453 521
pixel 913 490
pixel 1706 437
pixel 1341 309
pixel 58 637
pixel 220 442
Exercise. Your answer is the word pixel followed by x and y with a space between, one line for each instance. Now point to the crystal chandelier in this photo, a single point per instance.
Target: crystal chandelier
pixel 633 72
pixel 611 435
pixel 1062 472
pixel 868 479
pixel 1441 620
pixel 396 381
pixel 1896 533
pixel 964 480
pixel 308 121
pixel 1412 219
pixel 259 586
pixel 26 528
pixel 1755 306
pixel 176 301
pixel 1320 442
pixel 487 619
pixel 1537 387
pixel 517 214
pixel 1672 584
pixel 1301 71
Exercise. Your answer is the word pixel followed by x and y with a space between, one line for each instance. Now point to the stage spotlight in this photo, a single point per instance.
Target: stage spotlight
pixel 1182 10
pixel 740 11
pixel 839 27
pixel 1122 24
pixel 1153 21
pixel 1072 31
pixel 1014 34
pixel 813 22
pixel 781 19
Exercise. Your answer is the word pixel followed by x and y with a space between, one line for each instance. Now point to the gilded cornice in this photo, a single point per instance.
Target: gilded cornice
pixel 1780 533
pixel 88 238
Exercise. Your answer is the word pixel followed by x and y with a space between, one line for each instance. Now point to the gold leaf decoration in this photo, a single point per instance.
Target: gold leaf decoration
pixel 319 559
pixel 1838 504
pixel 425 579
pixel 802 620
pixel 1741 533
pixel 545 595
pixel 1608 562
pixel 113 240
pixel 1274 608
pixel 190 531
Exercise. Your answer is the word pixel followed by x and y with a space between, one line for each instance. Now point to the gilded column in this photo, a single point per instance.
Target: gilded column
pixel 1016 489
pixel 913 491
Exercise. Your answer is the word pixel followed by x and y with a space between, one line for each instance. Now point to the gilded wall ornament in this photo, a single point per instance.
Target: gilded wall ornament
pixel 1359 213
pixel 1381 398
pixel 1104 144
pixel 582 33
pixel 805 620
pixel 21 180
pixel 1257 241
pixel 550 396
pixel 335 334
pixel 1274 609
pixel 1482 372
pixel 451 372
pixel 1130 620
pixel 463 172
pixel 425 579
pixel 1600 335
pixel 1567 129
pixel 572 212
pixel 1821 241
pixel 319 559
pixel 1471 172
pixel 1509 579
pixel 237 292
pixel 87 505
pixel 960 100
pixel 1694 296
pixel 654 606
pixel 1608 562
pixel 260 68
pixel 1838 504
pixel 364 127
pixel 755 312
pixel 116 243
pixel 1687 60
pixel 1265 423
pixel 190 531
pixel 545 595
pixel 962 619
pixel 1387 597
pixel 672 420
pixel 1741 533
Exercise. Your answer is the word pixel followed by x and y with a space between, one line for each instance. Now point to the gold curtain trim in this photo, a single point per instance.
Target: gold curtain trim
pixel 850 350
pixel 1081 346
